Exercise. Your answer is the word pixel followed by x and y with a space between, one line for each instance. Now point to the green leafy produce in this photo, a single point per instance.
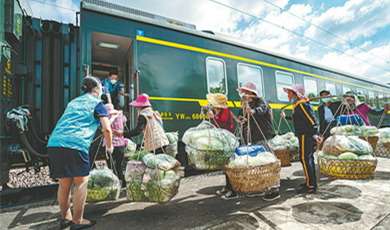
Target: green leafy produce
pixel 97 194
pixel 163 161
pixel 359 146
pixel 366 157
pixel 103 184
pixel 103 177
pixel 139 155
pixel 348 156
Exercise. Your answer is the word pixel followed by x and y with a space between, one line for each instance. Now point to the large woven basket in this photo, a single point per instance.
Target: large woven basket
pixel 347 169
pixel 254 178
pixel 139 191
pixel 382 150
pixel 283 156
pixel 207 159
pixel 372 140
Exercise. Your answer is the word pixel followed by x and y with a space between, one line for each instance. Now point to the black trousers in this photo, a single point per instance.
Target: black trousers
pixel 306 156
pixel 117 160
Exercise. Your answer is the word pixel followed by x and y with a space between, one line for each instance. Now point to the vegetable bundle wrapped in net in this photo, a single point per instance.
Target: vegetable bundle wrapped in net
pixel 103 184
pixel 130 148
pixel 285 147
pixel 208 147
pixel 173 138
pixel 383 144
pixel 354 130
pixel 152 178
pixel 344 157
pixel 254 173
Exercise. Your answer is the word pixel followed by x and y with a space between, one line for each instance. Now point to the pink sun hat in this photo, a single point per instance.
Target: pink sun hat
pixel 297 89
pixel 142 101
pixel 249 86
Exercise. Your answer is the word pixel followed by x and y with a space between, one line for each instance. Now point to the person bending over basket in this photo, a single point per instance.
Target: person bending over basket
pixel 363 109
pixel 118 142
pixel 68 150
pixel 151 124
pixel 305 124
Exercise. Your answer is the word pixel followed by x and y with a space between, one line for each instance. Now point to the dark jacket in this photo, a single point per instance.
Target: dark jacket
pixel 336 111
pixel 263 116
pixel 304 119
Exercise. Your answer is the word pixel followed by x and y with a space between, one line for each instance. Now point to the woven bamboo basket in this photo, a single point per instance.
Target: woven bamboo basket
pixel 347 169
pixel 283 156
pixel 207 159
pixel 254 178
pixel 138 191
pixel 372 140
pixel 382 150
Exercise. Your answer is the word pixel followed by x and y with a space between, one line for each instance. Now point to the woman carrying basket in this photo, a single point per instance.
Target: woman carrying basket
pixel 223 119
pixel 150 123
pixel 305 124
pixel 363 109
pixel 68 150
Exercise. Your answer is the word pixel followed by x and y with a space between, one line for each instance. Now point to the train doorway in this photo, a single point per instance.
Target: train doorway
pixel 114 52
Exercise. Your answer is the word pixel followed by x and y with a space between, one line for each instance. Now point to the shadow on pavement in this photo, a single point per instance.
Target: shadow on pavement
pixel 326 213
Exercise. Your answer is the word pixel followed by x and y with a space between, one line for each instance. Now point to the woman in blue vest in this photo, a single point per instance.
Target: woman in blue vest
pixel 68 150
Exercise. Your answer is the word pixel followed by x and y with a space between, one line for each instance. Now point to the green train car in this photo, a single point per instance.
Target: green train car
pixel 178 65
pixel 43 64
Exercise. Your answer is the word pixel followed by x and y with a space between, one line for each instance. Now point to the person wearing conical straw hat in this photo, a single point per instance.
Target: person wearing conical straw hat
pixel 305 125
pixel 223 118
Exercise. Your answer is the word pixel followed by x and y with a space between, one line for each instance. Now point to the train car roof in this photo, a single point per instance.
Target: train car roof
pixel 144 17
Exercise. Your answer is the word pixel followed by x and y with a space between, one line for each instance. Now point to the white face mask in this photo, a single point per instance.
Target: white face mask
pixel 325 100
pixel 242 95
pixel 99 93
pixel 113 81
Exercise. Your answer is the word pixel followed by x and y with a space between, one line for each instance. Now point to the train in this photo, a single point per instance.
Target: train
pixel 43 63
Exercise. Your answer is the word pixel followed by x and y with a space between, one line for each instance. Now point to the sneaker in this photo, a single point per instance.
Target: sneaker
pixel 255 194
pixel 221 192
pixel 230 196
pixel 304 185
pixel 271 196
pixel 306 189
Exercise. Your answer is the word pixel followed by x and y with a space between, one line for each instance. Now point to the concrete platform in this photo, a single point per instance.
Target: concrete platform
pixel 338 204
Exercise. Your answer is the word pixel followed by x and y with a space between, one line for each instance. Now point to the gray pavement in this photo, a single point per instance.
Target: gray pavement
pixel 338 204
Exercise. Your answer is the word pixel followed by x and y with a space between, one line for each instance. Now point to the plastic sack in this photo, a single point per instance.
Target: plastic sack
pixel 103 184
pixel 162 161
pixel 130 148
pixel 350 119
pixel 279 143
pixel 338 144
pixel 349 130
pixel 208 147
pixel 261 158
pixel 134 170
pixel 173 138
pixel 251 150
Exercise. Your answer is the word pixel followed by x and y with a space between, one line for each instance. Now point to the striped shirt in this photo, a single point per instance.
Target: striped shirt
pixel 117 124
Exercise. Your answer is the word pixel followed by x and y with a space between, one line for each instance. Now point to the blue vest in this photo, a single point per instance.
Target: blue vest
pixel 107 83
pixel 77 126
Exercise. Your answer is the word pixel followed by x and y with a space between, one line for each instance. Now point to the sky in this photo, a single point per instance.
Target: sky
pixel 352 36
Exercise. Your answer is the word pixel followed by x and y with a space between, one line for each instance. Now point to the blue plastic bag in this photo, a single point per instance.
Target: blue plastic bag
pixel 253 150
pixel 350 119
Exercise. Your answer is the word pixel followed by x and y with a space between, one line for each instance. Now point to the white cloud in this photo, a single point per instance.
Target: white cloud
pixel 47 11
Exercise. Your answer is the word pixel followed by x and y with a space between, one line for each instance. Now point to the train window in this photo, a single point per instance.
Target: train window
pixel 252 73
pixel 332 90
pixel 346 90
pixel 382 100
pixel 311 88
pixel 216 76
pixel 283 80
pixel 371 97
pixel 360 95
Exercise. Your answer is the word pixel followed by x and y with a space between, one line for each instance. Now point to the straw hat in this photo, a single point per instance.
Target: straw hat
pixel 249 86
pixel 297 89
pixel 217 100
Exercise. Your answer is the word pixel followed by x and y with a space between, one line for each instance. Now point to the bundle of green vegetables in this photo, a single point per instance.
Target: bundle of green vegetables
pixel 130 148
pixel 354 130
pixel 154 178
pixel 208 147
pixel 384 135
pixel 346 148
pixel 173 138
pixel 103 184
pixel 261 158
pixel 285 141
